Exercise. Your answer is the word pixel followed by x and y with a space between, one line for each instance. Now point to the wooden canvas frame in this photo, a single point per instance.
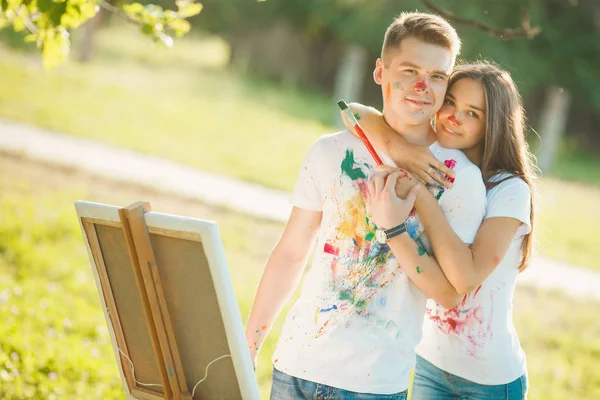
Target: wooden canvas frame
pixel 121 244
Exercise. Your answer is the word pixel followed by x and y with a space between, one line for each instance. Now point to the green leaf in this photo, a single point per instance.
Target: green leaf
pixel 188 9
pixel 56 13
pixel 4 5
pixel 72 18
pixel 87 10
pixel 180 27
pixel 55 47
pixel 44 5
pixel 147 29
pixel 153 11
pixel 33 37
pixel 170 15
pixel 133 9
pixel 18 25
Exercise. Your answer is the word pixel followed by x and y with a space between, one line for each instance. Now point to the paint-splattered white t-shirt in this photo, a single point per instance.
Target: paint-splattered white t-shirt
pixel 477 340
pixel 359 318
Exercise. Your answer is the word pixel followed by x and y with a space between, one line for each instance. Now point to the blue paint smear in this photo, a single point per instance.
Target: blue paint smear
pixel 334 307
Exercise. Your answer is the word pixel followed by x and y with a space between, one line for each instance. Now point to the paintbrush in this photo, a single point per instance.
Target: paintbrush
pixel 361 134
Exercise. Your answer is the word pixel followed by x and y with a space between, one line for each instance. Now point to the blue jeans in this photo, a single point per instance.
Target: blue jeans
pixel 288 387
pixel 432 383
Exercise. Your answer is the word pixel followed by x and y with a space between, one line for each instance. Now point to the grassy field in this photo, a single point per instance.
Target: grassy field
pixel 53 339
pixel 183 105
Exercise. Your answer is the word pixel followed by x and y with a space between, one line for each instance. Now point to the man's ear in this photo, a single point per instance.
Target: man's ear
pixel 378 72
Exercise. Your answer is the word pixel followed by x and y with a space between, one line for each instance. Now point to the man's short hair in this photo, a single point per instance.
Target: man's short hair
pixel 428 28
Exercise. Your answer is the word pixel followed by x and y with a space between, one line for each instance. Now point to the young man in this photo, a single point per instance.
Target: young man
pixel 358 319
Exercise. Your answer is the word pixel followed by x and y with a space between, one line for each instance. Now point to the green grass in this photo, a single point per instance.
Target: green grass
pixel 53 340
pixel 183 105
pixel 578 166
pixel 172 103
pixel 568 221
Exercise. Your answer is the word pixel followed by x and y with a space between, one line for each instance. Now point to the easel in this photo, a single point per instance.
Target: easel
pixel 169 303
pixel 154 304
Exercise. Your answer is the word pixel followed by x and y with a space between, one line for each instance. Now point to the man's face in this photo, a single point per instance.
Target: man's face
pixel 413 80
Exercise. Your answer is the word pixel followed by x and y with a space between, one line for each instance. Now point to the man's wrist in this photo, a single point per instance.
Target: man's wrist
pixel 383 235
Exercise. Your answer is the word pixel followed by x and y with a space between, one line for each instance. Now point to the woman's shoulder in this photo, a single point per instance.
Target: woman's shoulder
pixel 508 190
pixel 504 181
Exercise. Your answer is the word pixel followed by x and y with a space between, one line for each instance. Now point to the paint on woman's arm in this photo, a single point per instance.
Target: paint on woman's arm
pixel 422 249
pixel 357 116
pixel 418 269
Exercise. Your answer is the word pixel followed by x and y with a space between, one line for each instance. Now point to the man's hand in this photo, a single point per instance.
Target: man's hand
pixel 387 209
pixel 253 352
pixel 405 181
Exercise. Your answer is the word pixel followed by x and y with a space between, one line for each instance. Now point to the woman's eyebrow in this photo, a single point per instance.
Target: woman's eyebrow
pixel 469 105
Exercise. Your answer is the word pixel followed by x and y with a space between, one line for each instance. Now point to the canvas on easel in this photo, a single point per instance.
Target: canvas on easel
pixel 169 303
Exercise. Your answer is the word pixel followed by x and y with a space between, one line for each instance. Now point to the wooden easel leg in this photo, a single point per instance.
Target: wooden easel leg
pixel 155 306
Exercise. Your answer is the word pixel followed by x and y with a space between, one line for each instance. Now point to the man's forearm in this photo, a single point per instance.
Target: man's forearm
pixel 276 286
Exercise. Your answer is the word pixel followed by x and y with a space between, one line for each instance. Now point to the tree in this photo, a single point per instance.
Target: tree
pixel 49 21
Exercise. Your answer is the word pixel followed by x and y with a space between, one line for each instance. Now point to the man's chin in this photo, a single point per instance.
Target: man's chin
pixel 417 118
pixel 404 116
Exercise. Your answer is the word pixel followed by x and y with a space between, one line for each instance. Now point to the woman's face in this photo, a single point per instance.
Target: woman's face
pixel 460 123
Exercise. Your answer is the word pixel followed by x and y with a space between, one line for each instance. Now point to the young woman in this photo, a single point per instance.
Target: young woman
pixel 472 350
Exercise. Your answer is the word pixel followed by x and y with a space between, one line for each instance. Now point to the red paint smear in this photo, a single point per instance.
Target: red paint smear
pixel 334 267
pixel 422 86
pixel 464 300
pixel 330 249
pixel 450 164
pixel 403 174
pixel 453 119
pixel 477 291
pixel 388 92
pixel 263 327
pixel 451 321
pixel 496 260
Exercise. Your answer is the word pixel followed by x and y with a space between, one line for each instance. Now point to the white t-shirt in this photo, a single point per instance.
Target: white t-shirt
pixel 359 318
pixel 477 340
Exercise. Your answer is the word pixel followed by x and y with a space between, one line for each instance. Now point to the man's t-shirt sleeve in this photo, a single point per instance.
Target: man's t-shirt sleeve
pixel 464 203
pixel 307 193
pixel 511 199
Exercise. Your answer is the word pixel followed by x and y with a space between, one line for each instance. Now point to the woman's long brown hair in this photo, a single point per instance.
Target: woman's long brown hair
pixel 505 148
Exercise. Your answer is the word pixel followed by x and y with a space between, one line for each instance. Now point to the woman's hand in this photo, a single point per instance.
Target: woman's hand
pixel 418 160
pixel 423 164
pixel 387 209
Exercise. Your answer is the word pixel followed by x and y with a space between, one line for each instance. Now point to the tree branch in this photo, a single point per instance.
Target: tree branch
pixel 508 33
pixel 118 12
pixel 25 18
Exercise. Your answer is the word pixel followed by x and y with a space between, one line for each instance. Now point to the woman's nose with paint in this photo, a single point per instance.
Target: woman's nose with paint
pixel 453 119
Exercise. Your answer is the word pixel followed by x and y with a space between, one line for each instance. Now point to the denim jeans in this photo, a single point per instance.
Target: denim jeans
pixel 432 383
pixel 288 387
